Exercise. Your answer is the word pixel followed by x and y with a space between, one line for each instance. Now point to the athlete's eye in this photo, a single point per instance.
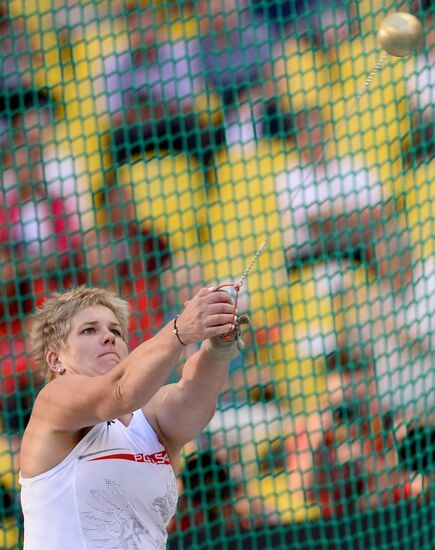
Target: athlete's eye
pixel 88 330
pixel 116 332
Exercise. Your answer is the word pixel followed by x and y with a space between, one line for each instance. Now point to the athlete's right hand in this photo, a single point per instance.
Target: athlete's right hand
pixel 208 314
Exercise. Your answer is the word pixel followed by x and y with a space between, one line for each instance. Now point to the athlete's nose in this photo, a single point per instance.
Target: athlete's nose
pixel 108 337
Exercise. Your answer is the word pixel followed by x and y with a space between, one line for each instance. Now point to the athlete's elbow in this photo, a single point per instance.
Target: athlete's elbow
pixel 208 417
pixel 122 399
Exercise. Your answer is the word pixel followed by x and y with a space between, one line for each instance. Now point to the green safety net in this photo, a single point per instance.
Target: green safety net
pixel 152 148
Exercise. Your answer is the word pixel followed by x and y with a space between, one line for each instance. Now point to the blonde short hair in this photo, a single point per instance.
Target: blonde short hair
pixel 52 322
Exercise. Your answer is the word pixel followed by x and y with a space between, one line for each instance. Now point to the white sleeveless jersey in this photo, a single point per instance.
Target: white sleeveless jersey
pixel 116 490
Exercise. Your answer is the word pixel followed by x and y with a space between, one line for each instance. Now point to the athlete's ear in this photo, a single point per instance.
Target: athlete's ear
pixel 53 360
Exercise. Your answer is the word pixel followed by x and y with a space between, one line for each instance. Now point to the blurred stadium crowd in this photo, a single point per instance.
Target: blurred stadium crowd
pixel 151 147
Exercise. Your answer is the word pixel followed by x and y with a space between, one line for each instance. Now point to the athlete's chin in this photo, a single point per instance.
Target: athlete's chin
pixel 107 363
pixel 112 361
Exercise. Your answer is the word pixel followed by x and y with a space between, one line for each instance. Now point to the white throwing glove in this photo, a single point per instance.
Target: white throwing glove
pixel 228 346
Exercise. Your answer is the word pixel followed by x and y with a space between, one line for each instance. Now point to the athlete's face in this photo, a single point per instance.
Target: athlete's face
pixel 95 343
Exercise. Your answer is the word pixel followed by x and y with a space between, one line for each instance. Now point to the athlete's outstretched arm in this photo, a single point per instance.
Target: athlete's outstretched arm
pixel 181 411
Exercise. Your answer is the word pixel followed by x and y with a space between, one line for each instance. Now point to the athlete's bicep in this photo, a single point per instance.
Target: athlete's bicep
pixel 76 401
pixel 175 420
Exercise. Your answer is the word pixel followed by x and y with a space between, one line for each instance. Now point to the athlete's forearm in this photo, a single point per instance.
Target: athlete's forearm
pixel 146 369
pixel 190 404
